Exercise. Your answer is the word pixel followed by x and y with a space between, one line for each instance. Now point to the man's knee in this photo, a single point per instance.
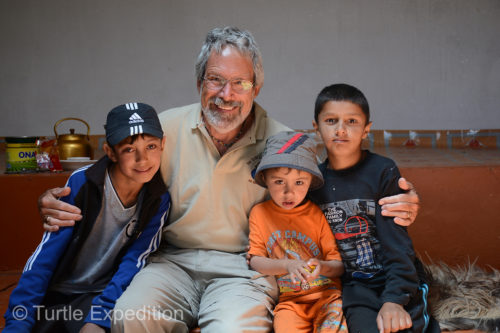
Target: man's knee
pixel 134 299
pixel 236 325
pixel 128 309
pixel 146 303
pixel 243 317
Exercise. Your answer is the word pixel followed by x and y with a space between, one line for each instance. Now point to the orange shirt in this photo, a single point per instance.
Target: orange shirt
pixel 298 233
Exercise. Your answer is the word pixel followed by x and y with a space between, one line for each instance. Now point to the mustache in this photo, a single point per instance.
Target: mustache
pixel 222 103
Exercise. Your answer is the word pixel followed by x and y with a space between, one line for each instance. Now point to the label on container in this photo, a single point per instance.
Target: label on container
pixel 21 157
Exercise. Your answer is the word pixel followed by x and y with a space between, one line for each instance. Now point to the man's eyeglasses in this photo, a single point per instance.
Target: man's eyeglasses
pixel 239 86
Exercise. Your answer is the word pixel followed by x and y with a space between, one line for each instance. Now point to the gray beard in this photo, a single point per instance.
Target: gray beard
pixel 221 122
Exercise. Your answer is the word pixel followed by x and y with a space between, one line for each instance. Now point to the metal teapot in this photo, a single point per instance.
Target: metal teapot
pixel 73 145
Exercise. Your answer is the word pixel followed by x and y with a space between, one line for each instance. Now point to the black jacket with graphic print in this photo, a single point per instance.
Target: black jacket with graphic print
pixel 375 251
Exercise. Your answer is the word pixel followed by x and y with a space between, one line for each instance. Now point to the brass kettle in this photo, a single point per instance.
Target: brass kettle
pixel 73 145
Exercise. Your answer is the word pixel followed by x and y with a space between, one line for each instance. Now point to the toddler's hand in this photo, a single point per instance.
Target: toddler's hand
pixel 393 317
pixel 314 268
pixel 298 270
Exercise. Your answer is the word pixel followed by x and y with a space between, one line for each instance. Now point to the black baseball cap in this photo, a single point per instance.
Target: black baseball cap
pixel 131 119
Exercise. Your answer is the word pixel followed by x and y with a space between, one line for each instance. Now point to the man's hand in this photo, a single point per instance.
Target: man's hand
pixel 403 207
pixel 393 317
pixel 92 328
pixel 56 213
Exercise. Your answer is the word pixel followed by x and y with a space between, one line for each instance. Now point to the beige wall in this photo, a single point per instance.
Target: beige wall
pixel 423 64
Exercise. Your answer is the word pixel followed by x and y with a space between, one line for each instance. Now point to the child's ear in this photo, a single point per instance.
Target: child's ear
pixel 367 129
pixel 315 126
pixel 162 143
pixel 316 130
pixel 110 152
pixel 263 177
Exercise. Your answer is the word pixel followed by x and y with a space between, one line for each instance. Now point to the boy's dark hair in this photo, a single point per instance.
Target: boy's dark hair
pixel 341 92
pixel 129 140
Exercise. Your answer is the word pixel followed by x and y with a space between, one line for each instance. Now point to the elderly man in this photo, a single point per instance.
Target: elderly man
pixel 200 276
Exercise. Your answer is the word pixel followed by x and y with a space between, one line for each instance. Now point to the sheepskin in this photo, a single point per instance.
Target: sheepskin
pixel 465 297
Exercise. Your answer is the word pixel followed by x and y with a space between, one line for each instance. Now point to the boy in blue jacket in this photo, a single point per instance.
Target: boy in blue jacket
pixel 73 279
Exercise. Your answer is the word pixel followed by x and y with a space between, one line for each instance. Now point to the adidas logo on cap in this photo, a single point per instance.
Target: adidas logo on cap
pixel 135 118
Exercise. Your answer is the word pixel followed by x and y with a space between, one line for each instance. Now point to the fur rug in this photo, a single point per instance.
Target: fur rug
pixel 465 297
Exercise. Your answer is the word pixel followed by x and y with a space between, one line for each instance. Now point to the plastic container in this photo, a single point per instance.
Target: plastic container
pixel 21 154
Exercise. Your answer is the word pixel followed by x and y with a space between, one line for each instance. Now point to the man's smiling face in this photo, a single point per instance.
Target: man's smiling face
pixel 223 108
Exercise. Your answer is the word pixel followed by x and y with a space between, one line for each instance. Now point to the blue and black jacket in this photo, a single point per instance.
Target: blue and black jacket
pixel 55 255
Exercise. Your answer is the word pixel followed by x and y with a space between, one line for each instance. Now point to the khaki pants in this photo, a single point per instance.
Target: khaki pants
pixel 182 288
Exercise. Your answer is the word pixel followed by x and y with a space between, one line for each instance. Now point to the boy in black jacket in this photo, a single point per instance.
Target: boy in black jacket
pixel 383 289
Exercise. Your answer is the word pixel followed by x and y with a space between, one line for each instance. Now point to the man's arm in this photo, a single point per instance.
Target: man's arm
pixel 403 207
pixel 56 213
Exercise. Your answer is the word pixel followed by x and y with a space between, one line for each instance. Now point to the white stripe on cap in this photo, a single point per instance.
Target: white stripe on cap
pixel 131 106
pixel 136 130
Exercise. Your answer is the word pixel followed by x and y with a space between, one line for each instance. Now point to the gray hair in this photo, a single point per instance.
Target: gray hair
pixel 243 40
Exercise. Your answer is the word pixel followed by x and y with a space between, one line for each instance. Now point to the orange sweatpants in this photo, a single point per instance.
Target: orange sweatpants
pixel 311 314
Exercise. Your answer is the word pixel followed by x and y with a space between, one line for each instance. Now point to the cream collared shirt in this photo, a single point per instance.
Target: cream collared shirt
pixel 211 194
